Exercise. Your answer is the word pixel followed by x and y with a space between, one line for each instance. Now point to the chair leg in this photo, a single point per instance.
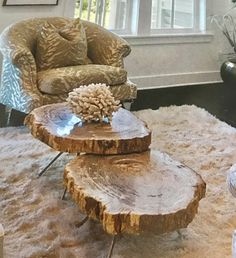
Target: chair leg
pixel 8 112
pixel 127 104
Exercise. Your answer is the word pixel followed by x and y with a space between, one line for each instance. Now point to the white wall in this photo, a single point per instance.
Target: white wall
pixel 165 63
pixel 11 14
pixel 174 64
pixel 168 63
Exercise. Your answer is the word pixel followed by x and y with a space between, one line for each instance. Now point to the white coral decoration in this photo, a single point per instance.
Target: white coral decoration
pixel 93 102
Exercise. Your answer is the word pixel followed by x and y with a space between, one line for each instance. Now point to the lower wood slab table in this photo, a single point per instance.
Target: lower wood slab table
pixel 135 193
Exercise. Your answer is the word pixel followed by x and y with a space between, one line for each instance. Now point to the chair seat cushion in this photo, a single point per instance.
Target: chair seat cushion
pixel 65 79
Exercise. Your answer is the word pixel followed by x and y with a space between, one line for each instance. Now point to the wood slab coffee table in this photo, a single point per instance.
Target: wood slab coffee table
pixel 135 193
pixel 59 128
pixel 62 130
pixel 119 181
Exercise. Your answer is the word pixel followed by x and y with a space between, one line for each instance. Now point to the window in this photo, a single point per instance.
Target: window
pixel 144 17
pixel 111 14
pixel 172 14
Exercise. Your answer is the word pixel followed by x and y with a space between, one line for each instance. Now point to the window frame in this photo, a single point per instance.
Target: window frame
pixel 138 25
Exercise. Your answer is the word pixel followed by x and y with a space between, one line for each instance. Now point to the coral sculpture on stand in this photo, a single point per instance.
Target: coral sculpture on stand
pixel 94 102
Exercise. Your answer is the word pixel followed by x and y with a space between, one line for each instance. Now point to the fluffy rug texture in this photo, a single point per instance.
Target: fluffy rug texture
pixel 39 224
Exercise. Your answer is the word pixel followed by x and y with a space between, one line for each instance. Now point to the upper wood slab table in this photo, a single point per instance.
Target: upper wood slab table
pixel 59 128
pixel 135 193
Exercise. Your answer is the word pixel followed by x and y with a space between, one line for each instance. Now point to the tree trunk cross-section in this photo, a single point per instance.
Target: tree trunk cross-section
pixel 62 130
pixel 135 193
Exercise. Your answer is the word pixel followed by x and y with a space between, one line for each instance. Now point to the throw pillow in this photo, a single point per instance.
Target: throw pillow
pixel 61 47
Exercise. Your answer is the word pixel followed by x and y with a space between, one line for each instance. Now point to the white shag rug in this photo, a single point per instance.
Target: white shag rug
pixel 38 224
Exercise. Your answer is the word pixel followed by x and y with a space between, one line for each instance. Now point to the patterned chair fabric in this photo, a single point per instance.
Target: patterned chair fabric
pixel 62 47
pixel 63 80
pixel 21 82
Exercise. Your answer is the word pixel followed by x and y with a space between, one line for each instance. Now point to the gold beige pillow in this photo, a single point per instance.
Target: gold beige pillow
pixel 60 47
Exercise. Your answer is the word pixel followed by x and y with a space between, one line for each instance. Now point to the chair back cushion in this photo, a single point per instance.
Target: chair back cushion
pixel 63 80
pixel 60 47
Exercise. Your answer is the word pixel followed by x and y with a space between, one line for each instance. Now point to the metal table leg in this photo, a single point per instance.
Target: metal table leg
pixel 1 240
pixel 112 246
pixel 51 162
pixel 82 222
pixel 64 194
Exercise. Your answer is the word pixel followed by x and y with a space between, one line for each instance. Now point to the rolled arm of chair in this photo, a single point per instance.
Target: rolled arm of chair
pixel 20 76
pixel 105 47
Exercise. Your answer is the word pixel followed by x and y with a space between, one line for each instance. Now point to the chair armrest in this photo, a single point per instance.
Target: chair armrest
pixel 19 73
pixel 105 47
pixel 19 84
pixel 15 47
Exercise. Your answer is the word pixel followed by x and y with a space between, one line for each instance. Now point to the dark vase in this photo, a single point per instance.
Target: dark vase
pixel 228 71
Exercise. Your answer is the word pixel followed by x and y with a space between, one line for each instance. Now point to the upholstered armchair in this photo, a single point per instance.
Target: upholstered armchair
pixel 24 86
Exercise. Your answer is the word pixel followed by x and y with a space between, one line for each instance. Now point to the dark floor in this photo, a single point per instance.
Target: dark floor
pixel 16 119
pixel 219 99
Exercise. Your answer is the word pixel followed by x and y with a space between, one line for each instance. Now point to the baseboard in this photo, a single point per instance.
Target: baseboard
pixel 175 80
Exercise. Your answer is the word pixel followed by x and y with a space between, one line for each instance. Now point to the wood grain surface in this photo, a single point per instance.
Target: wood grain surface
pixel 135 193
pixel 59 128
